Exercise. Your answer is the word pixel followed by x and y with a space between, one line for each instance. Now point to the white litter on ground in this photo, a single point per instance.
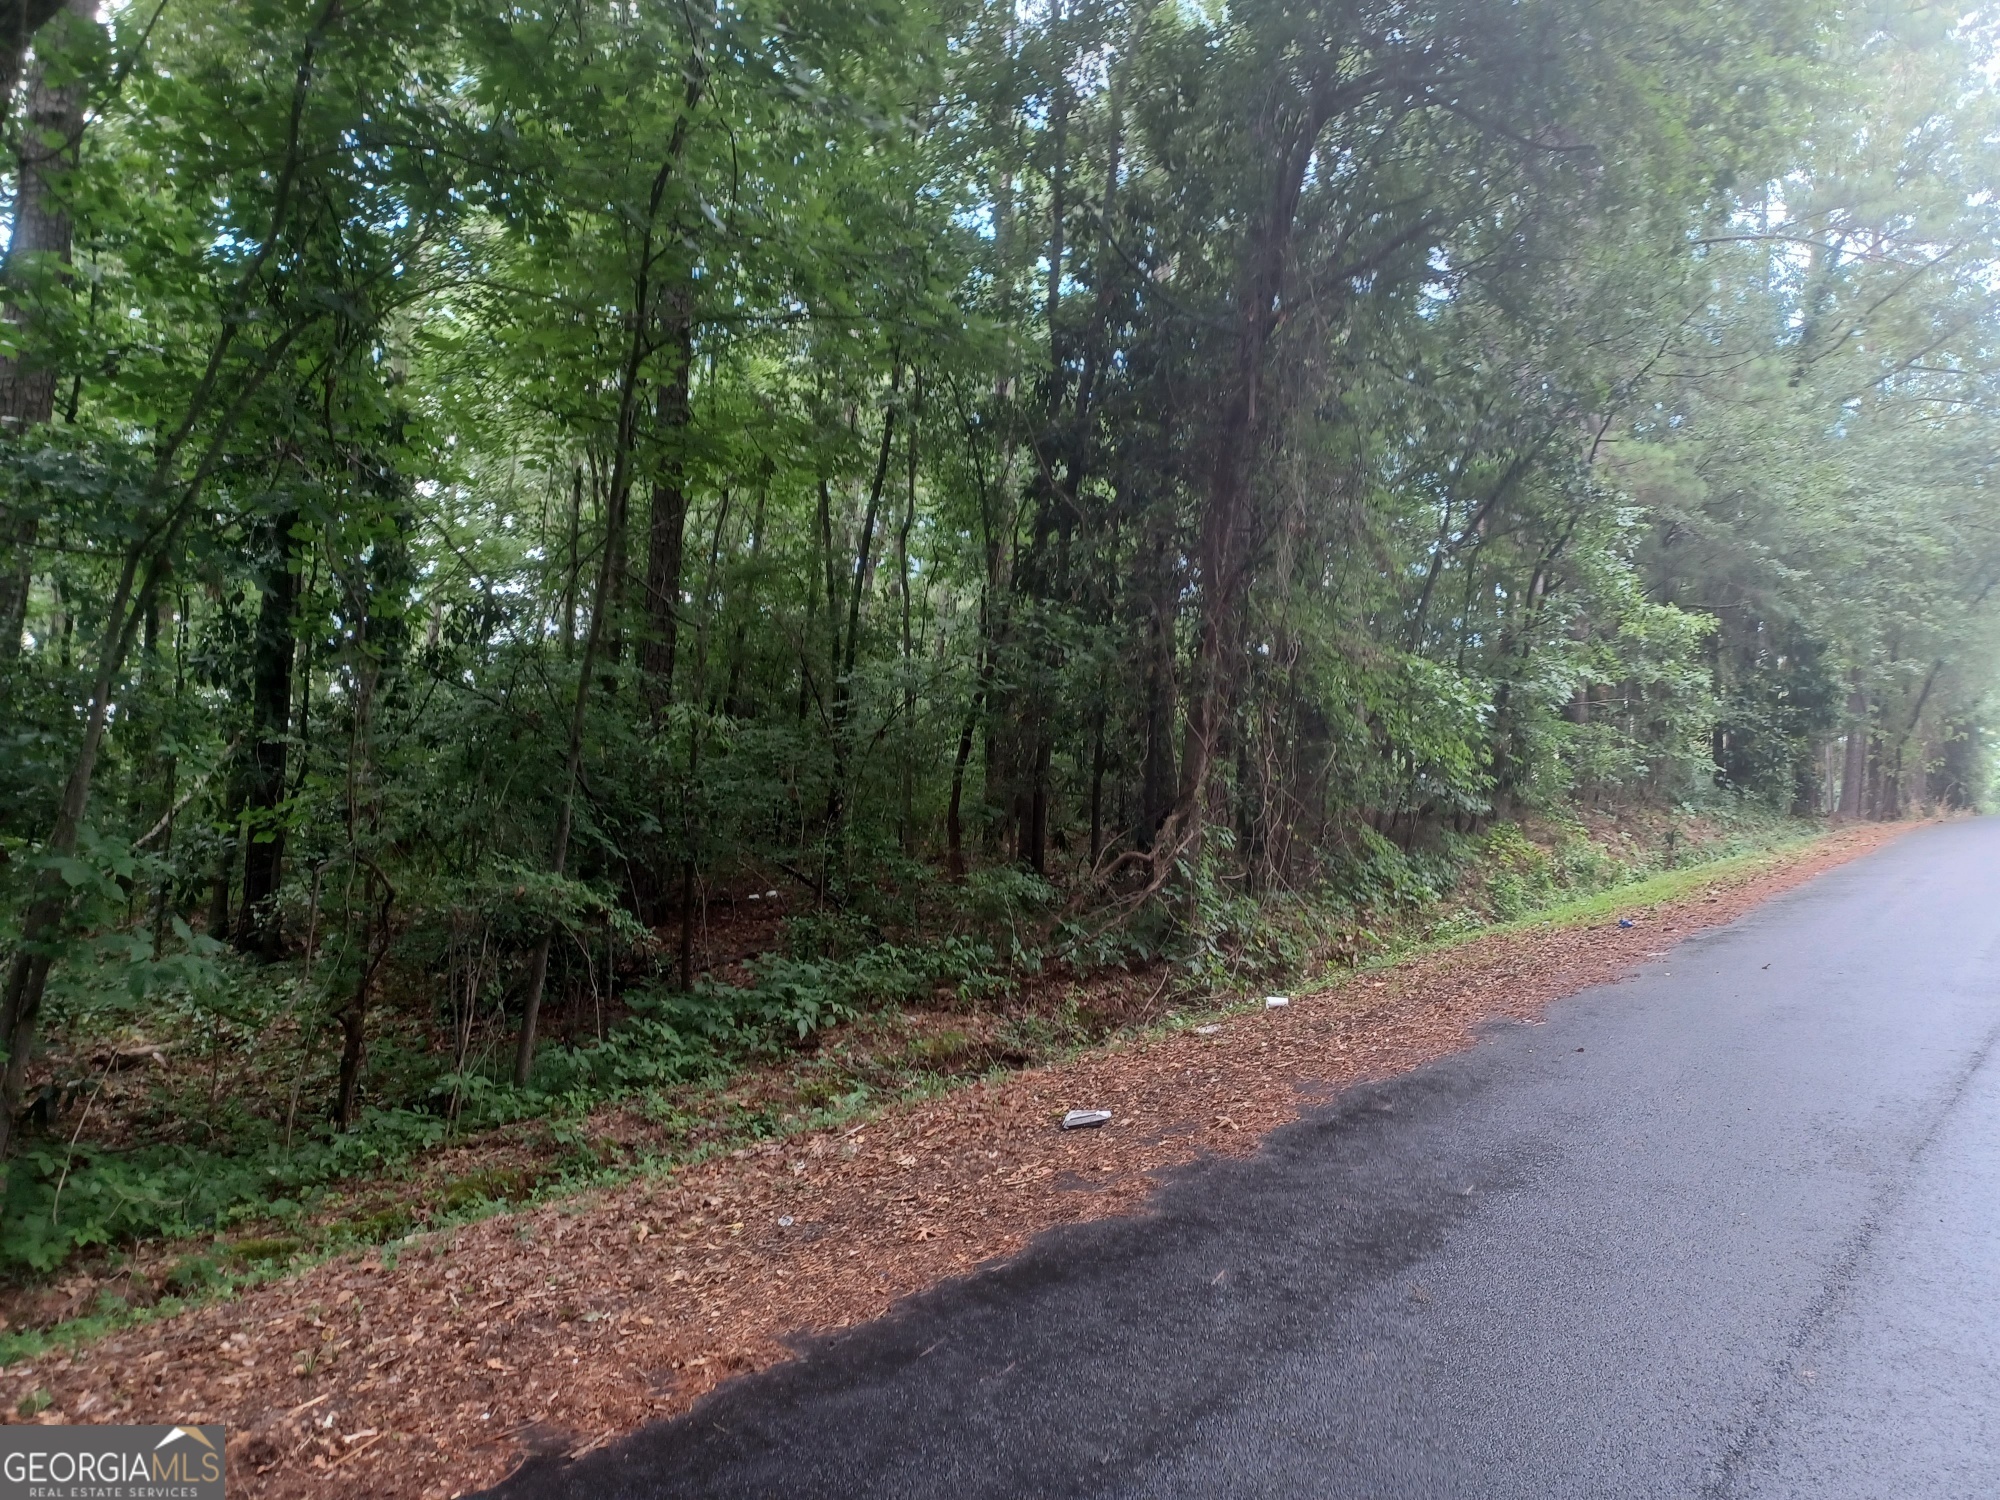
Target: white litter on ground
pixel 1085 1119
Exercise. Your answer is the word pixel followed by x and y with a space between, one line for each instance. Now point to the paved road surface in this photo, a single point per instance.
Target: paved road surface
pixel 1728 1229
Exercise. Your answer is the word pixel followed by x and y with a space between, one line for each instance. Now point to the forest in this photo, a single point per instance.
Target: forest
pixel 551 551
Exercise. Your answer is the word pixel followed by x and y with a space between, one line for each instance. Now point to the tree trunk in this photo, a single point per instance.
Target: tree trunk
pixel 667 524
pixel 28 972
pixel 222 879
pixel 954 827
pixel 1225 519
pixel 734 703
pixel 1156 786
pixel 686 954
pixel 258 929
pixel 846 653
pixel 1854 769
pixel 572 562
pixel 354 1015
pixel 1097 779
pixel 19 21
pixel 1896 800
pixel 905 834
pixel 45 149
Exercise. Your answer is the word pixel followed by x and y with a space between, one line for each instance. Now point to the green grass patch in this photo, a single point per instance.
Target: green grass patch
pixel 1653 889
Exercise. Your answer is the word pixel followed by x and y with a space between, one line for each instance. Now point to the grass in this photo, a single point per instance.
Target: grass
pixel 1616 900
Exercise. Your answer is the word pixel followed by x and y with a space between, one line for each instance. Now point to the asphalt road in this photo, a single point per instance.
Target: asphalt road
pixel 1728 1228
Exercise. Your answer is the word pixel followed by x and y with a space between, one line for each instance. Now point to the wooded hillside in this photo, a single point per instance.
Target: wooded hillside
pixel 545 548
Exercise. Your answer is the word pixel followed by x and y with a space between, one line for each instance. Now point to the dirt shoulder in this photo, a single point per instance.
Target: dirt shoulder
pixel 557 1329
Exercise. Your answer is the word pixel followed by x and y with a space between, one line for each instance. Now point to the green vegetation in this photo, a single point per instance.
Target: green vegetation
pixel 559 556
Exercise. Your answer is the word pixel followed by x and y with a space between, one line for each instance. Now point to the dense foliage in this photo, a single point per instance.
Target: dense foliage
pixel 489 492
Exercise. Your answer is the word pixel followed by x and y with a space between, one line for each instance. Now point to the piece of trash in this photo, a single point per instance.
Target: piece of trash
pixel 785 1221
pixel 1206 1030
pixel 1086 1119
pixel 1276 1002
pixel 770 895
pixel 755 897
pixel 1626 922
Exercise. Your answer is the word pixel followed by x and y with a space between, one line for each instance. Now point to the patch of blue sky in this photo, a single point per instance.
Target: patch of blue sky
pixel 1437 290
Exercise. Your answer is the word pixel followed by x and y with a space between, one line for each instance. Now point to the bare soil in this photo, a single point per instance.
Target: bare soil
pixel 560 1327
